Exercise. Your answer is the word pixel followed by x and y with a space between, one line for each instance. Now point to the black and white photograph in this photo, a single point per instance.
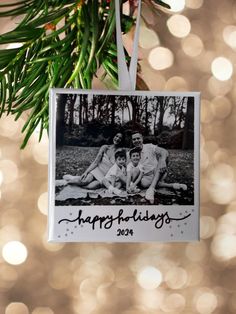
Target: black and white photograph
pixel 120 150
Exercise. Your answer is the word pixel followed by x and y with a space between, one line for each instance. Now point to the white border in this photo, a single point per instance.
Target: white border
pixel 109 236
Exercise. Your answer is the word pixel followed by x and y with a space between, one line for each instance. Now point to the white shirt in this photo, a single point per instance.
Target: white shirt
pixel 149 157
pixel 131 167
pixel 115 171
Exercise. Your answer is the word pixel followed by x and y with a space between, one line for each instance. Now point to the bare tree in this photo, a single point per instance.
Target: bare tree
pixel 60 119
pixel 188 138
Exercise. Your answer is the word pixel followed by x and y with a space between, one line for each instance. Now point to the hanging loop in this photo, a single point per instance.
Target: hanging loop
pixel 127 77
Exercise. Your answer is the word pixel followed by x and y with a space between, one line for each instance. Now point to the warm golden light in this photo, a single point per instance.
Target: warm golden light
pixel 9 171
pixel 223 246
pixel 148 38
pixel 176 6
pixel 161 58
pixel 1 177
pixel 151 299
pixel 14 252
pixel 220 173
pixel 204 159
pixel 219 88
pixel 149 278
pixel 195 252
pixel 43 203
pixel 191 48
pixel 223 186
pixel 42 310
pixel 222 68
pixel 40 151
pixel 174 303
pixel 221 107
pixel 229 35
pixel 176 278
pixel 208 227
pixel 179 25
pixel 176 83
pixel 206 303
pixel 194 4
pixel 8 128
pixel 16 308
pixel 206 111
pixel 192 45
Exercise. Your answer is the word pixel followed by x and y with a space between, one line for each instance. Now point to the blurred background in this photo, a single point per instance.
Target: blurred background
pixel 191 48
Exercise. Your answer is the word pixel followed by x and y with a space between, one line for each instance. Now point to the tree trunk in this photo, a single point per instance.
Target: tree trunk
pixel 133 102
pixel 188 136
pixel 93 107
pixel 60 119
pixel 71 112
pixel 162 112
pixel 146 115
pixel 80 109
pixel 113 110
pixel 86 107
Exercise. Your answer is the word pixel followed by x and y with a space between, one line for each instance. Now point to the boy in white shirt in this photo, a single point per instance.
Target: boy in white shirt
pixel 154 159
pixel 116 175
pixel 135 171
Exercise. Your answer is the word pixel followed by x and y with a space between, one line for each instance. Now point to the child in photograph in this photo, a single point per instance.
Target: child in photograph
pixel 116 175
pixel 135 171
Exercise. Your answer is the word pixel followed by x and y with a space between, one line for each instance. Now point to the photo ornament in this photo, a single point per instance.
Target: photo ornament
pixel 123 166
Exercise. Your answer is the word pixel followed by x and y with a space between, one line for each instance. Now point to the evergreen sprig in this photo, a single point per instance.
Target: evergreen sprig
pixel 60 43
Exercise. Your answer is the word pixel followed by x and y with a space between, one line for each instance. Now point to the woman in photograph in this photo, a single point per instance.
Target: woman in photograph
pixel 93 176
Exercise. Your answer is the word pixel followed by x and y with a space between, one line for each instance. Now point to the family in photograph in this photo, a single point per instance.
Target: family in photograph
pixel 127 171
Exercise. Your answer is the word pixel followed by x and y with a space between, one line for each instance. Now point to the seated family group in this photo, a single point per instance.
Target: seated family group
pixel 118 169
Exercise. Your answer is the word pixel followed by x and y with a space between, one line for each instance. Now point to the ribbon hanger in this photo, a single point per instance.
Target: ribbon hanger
pixel 127 77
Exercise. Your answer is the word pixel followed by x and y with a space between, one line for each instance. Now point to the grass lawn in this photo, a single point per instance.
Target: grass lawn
pixel 74 160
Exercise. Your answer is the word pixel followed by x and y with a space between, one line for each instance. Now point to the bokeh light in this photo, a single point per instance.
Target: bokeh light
pixel 149 278
pixel 151 299
pixel 229 35
pixel 196 252
pixel 9 232
pixel 43 203
pixel 223 246
pixel 206 111
pixel 9 277
pixel 179 25
pixel 176 278
pixel 176 83
pixel 16 308
pixel 10 128
pixel 191 48
pixel 223 186
pixel 206 303
pixel 221 107
pixel 192 45
pixel 219 88
pixel 194 4
pixel 14 252
pixel 208 227
pixel 222 68
pixel 148 38
pixel 1 177
pixel 40 150
pixel 176 6
pixel 174 303
pixel 161 58
pixel 42 310
pixel 9 171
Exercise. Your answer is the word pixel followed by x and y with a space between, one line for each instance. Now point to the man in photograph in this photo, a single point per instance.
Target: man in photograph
pixel 154 161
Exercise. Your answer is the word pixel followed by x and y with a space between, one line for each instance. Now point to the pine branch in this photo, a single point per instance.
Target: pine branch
pixel 62 44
